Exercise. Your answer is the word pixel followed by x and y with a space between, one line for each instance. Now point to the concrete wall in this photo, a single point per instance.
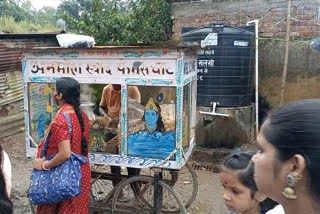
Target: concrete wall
pixel 217 131
pixel 303 77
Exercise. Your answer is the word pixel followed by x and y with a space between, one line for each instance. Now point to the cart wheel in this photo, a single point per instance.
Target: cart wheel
pixel 184 182
pixel 135 195
pixel 91 203
pixel 101 189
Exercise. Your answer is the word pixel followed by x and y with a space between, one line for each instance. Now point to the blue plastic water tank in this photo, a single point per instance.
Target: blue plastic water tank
pixel 225 65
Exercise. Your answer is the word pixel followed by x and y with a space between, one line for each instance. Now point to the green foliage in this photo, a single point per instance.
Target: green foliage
pixel 19 16
pixel 117 22
pixel 46 16
pixel 9 25
pixel 85 4
pixel 11 8
pixel 120 23
pixel 71 8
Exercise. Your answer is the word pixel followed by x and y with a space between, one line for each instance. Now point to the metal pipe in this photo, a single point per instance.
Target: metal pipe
pixel 214 105
pixel 156 193
pixel 256 23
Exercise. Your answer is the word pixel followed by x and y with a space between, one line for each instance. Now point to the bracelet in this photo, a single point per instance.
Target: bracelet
pixel 42 166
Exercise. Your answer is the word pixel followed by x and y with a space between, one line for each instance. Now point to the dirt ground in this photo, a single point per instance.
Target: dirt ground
pixel 208 199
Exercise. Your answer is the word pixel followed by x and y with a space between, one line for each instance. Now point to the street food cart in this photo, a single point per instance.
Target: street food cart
pixel 166 79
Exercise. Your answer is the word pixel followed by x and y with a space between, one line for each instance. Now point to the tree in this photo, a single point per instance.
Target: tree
pixel 71 8
pixel 11 8
pixel 19 16
pixel 125 22
pixel 85 4
pixel 46 16
pixel 74 8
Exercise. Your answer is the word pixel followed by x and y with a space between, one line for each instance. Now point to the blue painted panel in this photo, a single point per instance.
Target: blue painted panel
pixel 44 79
pixel 155 145
pixel 136 82
pixel 179 71
pixel 24 63
pixel 161 82
pixel 124 121
pixel 153 142
pixel 139 162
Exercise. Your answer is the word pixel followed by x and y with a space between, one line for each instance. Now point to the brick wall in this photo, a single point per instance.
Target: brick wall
pixel 270 13
pixel 303 77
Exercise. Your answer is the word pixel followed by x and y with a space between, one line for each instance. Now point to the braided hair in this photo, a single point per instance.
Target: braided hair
pixel 5 203
pixel 241 161
pixel 70 89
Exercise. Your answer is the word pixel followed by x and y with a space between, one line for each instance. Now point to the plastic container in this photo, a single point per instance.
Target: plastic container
pixel 225 64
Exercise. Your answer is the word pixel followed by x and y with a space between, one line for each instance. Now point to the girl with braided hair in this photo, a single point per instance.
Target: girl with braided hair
pixel 67 97
pixel 240 194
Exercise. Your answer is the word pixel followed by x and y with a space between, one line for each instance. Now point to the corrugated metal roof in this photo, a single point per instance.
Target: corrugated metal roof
pixel 9 59
pixel 11 103
pixel 12 44
pixel 51 35
pixel 11 93
pixel 11 87
pixel 17 44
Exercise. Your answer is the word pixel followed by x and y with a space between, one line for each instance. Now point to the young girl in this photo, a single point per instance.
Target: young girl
pixel 240 191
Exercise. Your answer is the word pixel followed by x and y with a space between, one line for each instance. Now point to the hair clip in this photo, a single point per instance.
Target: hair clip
pixel 235 153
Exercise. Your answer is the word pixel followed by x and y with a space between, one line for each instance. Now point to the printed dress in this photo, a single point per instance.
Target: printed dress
pixel 78 204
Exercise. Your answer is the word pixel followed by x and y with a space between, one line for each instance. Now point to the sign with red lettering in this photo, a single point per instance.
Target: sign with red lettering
pixel 116 68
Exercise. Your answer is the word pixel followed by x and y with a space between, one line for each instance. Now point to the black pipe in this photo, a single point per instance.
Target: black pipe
pixel 156 193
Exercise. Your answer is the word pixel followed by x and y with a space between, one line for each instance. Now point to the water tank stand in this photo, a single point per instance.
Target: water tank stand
pixel 214 113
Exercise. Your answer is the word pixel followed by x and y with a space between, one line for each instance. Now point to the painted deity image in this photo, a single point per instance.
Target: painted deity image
pixel 153 141
pixel 41 109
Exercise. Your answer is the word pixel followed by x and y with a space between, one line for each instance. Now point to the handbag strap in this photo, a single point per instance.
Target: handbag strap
pixel 49 135
pixel 69 124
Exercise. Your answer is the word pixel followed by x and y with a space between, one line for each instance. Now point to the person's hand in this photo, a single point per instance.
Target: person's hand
pixel 106 120
pixel 114 122
pixel 38 162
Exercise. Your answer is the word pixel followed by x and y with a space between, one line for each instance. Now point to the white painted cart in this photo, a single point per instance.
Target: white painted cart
pixel 166 79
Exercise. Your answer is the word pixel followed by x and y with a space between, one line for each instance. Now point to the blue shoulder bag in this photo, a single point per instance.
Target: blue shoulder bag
pixel 59 183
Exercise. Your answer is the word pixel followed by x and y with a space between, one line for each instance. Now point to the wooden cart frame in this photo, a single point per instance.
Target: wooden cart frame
pixel 140 66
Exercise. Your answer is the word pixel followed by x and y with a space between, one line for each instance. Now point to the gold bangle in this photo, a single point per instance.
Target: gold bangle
pixel 43 167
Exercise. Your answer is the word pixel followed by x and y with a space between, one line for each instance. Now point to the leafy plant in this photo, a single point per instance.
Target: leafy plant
pixel 9 25
pixel 19 16
pixel 13 9
pixel 125 23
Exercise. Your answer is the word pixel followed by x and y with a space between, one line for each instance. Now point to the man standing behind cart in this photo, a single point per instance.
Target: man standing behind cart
pixel 110 106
